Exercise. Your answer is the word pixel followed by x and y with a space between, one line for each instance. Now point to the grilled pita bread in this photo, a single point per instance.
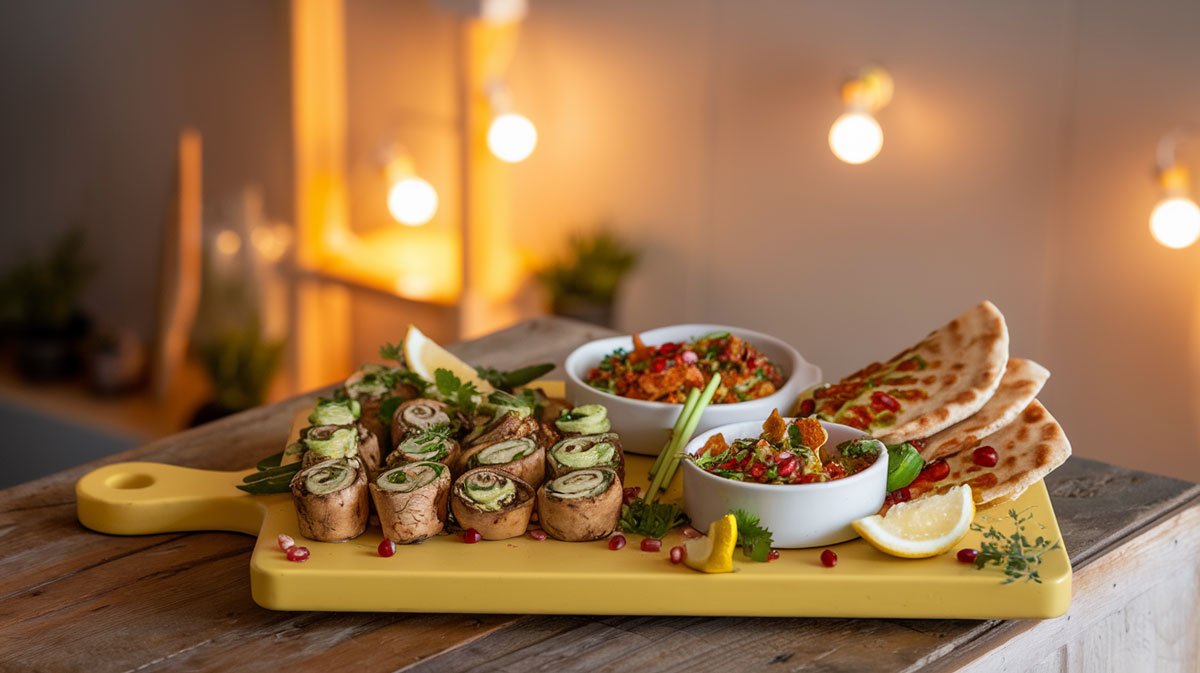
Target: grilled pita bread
pixel 1029 448
pixel 1022 381
pixel 944 379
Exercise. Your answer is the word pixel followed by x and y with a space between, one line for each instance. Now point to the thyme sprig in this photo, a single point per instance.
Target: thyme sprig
pixel 1014 553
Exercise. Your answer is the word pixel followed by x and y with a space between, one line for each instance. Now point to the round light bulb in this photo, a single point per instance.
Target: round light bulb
pixel 412 201
pixel 855 137
pixel 512 137
pixel 1175 222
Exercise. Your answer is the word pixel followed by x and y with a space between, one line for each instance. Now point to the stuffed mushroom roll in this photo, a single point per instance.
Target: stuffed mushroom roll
pixel 582 505
pixel 417 415
pixel 522 458
pixel 433 445
pixel 584 452
pixel 331 500
pixel 493 502
pixel 370 386
pixel 327 442
pixel 509 425
pixel 411 500
pixel 589 419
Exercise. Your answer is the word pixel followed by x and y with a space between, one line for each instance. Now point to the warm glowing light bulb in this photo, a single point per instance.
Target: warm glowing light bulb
pixel 512 137
pixel 855 137
pixel 1175 222
pixel 412 201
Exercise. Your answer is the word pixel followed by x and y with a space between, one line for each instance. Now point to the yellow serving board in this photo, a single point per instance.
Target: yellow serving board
pixel 524 575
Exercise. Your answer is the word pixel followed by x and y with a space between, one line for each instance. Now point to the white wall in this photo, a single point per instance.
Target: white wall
pixel 1016 167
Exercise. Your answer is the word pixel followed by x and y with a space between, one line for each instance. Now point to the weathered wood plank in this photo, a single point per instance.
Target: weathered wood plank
pixel 71 599
pixel 74 600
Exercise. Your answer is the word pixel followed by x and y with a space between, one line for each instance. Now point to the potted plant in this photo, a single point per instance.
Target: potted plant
pixel 240 363
pixel 584 284
pixel 40 302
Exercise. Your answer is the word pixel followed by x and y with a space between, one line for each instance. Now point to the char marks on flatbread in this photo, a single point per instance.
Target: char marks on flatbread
pixel 1022 381
pixel 942 380
pixel 1028 449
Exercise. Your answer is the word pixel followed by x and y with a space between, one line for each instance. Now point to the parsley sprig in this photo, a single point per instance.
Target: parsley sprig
pixel 1018 557
pixel 464 396
pixel 754 539
pixel 652 519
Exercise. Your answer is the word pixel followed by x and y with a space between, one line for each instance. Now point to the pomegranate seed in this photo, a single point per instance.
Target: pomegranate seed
pixel 616 542
pixel 657 365
pixel 471 536
pixel 650 544
pixel 285 542
pixel 828 558
pixel 630 494
pixel 782 456
pixel 750 363
pixel 985 456
pixel 668 348
pixel 787 467
pixel 967 555
pixel 773 555
pixel 386 548
pixel 935 471
pixel 881 401
pixel 537 534
pixel 677 554
pixel 690 357
pixel 807 407
pixel 297 554
pixel 690 532
pixel 758 470
pixel 810 479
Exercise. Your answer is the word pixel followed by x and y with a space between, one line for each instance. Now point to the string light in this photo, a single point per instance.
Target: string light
pixel 511 137
pixel 411 200
pixel 1175 221
pixel 856 136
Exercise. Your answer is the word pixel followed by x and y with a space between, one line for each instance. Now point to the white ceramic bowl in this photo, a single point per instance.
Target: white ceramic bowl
pixel 644 426
pixel 798 515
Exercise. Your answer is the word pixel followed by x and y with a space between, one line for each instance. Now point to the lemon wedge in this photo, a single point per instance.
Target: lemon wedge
pixel 424 357
pixel 920 528
pixel 713 553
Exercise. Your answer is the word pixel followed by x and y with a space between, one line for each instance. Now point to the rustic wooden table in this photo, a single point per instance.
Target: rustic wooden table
pixel 74 600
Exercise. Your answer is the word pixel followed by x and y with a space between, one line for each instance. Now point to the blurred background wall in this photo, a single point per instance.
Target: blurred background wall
pixel 1017 166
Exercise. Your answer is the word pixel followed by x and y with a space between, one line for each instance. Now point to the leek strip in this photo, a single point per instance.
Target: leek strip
pixel 671 462
pixel 688 406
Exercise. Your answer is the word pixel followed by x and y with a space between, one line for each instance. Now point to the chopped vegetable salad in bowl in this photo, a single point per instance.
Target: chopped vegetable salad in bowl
pixel 643 379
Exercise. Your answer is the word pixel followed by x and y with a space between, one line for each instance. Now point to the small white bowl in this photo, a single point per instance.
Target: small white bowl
pixel 798 515
pixel 644 426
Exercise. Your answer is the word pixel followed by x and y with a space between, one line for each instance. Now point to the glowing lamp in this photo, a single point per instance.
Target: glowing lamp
pixel 856 137
pixel 512 137
pixel 1175 222
pixel 412 201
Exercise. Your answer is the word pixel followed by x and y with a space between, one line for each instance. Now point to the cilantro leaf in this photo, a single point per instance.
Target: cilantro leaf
pixel 754 540
pixel 653 519
pixel 390 351
pixel 457 393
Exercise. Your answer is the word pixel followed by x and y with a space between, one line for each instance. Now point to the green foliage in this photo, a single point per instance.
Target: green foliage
pixel 455 392
pixel 1014 553
pixel 240 362
pixel 42 294
pixel 754 540
pixel 517 377
pixel 593 268
pixel 651 519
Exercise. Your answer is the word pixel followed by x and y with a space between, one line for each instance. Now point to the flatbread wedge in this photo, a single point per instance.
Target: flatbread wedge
pixel 1029 448
pixel 1022 381
pixel 942 380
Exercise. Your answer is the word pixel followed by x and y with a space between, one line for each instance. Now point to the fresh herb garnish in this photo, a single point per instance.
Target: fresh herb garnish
pixel 390 351
pixel 270 480
pixel 651 519
pixel 754 540
pixel 411 378
pixel 517 377
pixel 462 395
pixel 1018 557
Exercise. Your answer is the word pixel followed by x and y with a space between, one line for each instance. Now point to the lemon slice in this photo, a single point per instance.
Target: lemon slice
pixel 920 528
pixel 424 357
pixel 713 553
